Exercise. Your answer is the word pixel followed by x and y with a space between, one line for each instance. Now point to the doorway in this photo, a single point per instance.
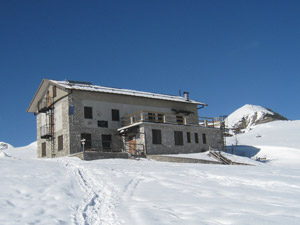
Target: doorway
pixel 132 144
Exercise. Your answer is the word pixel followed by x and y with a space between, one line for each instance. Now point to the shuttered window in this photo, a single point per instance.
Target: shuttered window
pixel 156 136
pixel 115 115
pixel 106 141
pixel 88 112
pixel 60 140
pixel 188 137
pixel 44 149
pixel 178 136
pixel 204 138
pixel 102 123
pixel 196 138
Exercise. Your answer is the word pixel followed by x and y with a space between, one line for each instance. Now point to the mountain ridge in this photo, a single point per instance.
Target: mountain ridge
pixel 246 117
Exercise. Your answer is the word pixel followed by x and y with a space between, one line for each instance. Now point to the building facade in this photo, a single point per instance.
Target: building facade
pixel 75 117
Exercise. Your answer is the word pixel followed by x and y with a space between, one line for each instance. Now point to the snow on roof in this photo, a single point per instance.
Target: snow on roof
pixel 84 86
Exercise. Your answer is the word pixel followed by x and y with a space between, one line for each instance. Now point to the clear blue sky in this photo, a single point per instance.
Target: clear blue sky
pixel 225 53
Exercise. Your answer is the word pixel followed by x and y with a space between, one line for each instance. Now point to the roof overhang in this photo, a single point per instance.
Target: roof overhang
pixel 65 85
pixel 39 94
pixel 119 91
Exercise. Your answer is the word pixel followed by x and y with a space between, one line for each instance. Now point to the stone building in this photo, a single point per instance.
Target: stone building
pixel 78 117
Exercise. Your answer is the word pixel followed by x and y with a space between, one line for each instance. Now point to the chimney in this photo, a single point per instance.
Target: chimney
pixel 186 95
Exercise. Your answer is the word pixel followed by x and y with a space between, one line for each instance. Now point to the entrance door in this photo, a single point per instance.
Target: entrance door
pixel 132 144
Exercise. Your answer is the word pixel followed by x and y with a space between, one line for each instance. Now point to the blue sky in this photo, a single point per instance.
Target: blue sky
pixel 225 53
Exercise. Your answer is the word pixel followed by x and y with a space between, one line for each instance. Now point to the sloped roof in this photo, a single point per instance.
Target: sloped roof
pixel 85 86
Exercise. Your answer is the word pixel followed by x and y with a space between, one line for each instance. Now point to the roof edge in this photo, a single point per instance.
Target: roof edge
pixel 39 88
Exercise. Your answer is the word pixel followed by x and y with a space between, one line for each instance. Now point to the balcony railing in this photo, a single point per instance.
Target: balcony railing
pixel 46 132
pixel 45 104
pixel 171 118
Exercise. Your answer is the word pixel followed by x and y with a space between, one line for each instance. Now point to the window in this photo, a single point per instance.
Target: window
pixel 160 118
pixel 102 123
pixel 204 138
pixel 156 136
pixel 54 91
pixel 196 138
pixel 88 112
pixel 188 137
pixel 60 142
pixel 178 136
pixel 106 141
pixel 44 149
pixel 179 119
pixel 115 115
pixel 51 124
pixel 88 140
pixel 151 116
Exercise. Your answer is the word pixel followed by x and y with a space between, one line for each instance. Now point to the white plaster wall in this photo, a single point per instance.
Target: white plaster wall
pixel 58 117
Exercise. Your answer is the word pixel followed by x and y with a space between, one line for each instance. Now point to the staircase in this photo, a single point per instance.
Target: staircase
pixel 217 155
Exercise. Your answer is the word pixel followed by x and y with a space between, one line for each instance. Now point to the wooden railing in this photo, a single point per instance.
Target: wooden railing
pixel 170 118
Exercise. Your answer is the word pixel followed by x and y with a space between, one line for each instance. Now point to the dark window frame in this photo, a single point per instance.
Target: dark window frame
pixel 160 117
pixel 204 141
pixel 103 123
pixel 178 138
pixel 156 137
pixel 60 142
pixel 151 116
pixel 44 149
pixel 115 115
pixel 106 141
pixel 88 112
pixel 188 137
pixel 179 119
pixel 196 138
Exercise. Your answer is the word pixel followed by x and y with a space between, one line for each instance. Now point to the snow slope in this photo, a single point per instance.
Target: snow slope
pixel 119 191
pixel 35 191
pixel 278 141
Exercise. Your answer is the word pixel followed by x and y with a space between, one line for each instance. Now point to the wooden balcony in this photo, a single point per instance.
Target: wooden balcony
pixel 171 118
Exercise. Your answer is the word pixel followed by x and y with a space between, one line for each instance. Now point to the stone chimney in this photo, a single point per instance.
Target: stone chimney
pixel 186 95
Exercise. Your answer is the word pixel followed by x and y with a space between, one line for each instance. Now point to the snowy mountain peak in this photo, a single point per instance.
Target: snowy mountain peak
pixel 242 119
pixel 4 146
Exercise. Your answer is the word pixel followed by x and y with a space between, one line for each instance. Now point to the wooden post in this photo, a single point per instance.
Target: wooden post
pixel 131 120
pixel 142 116
pixel 205 123
pixel 184 120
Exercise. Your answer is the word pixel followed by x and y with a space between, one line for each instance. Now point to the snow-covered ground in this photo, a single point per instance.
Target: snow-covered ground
pixel 278 141
pixel 119 191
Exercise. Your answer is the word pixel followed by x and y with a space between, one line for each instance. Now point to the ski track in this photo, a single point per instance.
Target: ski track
pixel 98 205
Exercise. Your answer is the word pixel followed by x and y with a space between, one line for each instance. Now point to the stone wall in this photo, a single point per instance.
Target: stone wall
pixel 102 104
pixel 61 127
pixel 213 138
